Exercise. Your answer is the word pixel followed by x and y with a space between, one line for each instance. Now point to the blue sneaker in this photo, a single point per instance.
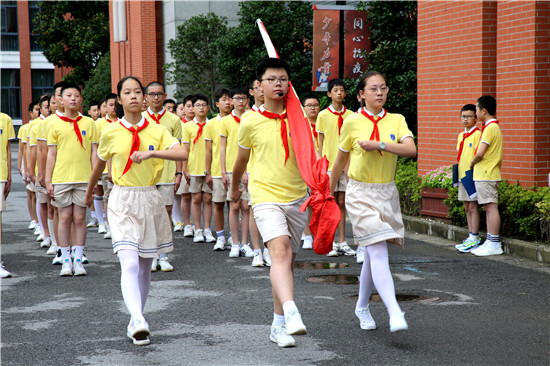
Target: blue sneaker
pixel 469 246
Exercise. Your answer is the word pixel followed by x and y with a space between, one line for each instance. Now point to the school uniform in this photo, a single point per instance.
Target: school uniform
pixel 136 210
pixel 466 145
pixel 229 129
pixel 487 171
pixel 105 182
pixel 7 133
pixel 196 163
pixel 211 133
pixel 372 199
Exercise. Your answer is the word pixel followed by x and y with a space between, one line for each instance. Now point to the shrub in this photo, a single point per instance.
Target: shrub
pixel 441 177
pixel 408 185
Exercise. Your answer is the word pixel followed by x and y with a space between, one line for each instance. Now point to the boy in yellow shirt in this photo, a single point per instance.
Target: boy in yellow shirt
pixel 7 134
pixel 93 110
pixel 486 165
pixel 329 126
pixel 72 149
pixel 276 191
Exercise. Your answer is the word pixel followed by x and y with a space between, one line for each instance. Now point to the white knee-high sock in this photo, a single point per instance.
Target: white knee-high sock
pixel 365 284
pixel 144 279
pixel 129 282
pixel 52 232
pixel 39 216
pixel 381 275
pixel 176 209
pixel 98 206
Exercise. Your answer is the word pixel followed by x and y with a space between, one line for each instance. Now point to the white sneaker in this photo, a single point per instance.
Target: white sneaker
pixel 37 230
pixel 57 258
pixel 198 238
pixel 93 222
pixel 294 323
pixel 33 225
pixel 165 266
pixel 78 268
pixel 52 249
pixel 102 228
pixel 488 248
pixel 108 233
pixel 398 322
pixel 208 237
pixel 365 318
pixel 84 259
pixel 334 252
pixel 345 249
pixel 267 258
pixel 66 269
pixel 235 251
pixel 188 231
pixel 360 255
pixel 258 260
pixel 308 243
pixel 280 336
pixel 46 242
pixel 178 226
pixel 246 251
pixel 139 333
pixel 220 243
pixel 3 272
pixel 154 265
pixel 229 243
pixel 40 237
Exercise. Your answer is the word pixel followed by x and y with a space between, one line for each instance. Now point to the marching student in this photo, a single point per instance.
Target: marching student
pixel 371 141
pixel 72 147
pixel 276 191
pixel 139 225
pixel 329 125
pixel 93 110
pixel 170 105
pixel 7 134
pixel 34 112
pixel 194 171
pixel 171 174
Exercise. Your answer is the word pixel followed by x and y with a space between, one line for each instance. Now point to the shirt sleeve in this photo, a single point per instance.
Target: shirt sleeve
pixel 166 140
pixel 245 129
pixel 185 137
pixel 104 151
pixel 320 126
pixel 93 133
pixel 177 130
pixel 403 129
pixel 346 141
pixel 207 133
pixel 489 135
pixel 223 128
pixel 52 135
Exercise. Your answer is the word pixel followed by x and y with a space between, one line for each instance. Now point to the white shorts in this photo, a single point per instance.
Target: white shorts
pixel 167 193
pixel 342 182
pixel 2 198
pixel 274 220
pixel 375 213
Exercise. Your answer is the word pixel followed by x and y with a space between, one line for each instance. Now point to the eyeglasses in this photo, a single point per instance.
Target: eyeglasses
pixel 312 106
pixel 272 81
pixel 467 117
pixel 383 89
pixel 155 95
pixel 240 99
pixel 200 105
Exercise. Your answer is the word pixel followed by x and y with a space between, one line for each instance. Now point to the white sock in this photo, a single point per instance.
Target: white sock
pixel 39 217
pixel 78 252
pixel 289 306
pixel 256 251
pixel 98 206
pixel 92 213
pixel 266 251
pixel 381 275
pixel 65 254
pixel 309 237
pixel 176 209
pixel 365 283
pixel 131 277
pixel 163 255
pixel 52 232
pixel 278 320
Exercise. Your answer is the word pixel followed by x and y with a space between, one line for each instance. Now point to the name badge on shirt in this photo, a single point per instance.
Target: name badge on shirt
pixel 470 144
pixel 151 148
pixel 83 132
pixel 1 131
pixel 392 137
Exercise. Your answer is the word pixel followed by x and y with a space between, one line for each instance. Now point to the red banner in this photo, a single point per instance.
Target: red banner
pixel 326 47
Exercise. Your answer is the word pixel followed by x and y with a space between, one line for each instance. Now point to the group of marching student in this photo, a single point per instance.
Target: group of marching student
pixel 161 172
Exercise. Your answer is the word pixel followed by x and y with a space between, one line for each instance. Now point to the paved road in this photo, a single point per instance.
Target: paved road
pixel 213 310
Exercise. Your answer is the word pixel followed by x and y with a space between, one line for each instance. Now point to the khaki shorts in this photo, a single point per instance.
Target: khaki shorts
pixel 342 182
pixel 183 188
pixel 463 195
pixel 274 220
pixel 107 187
pixel 198 185
pixel 30 186
pixel 219 194
pixel 487 191
pixel 245 196
pixel 167 193
pixel 375 213
pixel 66 194
pixel 42 196
pixel 2 198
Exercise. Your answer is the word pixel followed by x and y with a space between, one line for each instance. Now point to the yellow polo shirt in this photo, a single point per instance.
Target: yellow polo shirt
pixel 229 128
pixel 211 132
pixel 327 124
pixel 489 167
pixel 7 133
pixel 196 163
pixel 468 151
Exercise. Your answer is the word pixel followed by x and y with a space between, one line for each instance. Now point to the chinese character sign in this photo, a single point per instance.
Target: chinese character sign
pixel 356 43
pixel 326 47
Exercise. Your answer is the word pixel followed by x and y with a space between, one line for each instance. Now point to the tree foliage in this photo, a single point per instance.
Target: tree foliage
pixel 290 26
pixel 194 52
pixel 393 52
pixel 99 84
pixel 74 34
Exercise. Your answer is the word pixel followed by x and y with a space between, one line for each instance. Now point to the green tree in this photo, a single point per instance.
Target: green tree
pixel 194 52
pixel 74 34
pixel 393 52
pixel 290 26
pixel 99 84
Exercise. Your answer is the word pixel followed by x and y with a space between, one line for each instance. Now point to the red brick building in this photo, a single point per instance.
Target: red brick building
pixel 467 49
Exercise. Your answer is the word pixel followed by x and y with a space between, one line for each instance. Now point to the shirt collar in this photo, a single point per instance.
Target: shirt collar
pixel 153 113
pixel 334 110
pixel 471 129
pixel 489 121
pixel 381 114
pixel 129 125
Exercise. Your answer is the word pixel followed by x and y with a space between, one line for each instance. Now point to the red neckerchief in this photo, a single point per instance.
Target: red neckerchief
pixel 110 121
pixel 237 119
pixel 482 130
pixel 255 109
pixel 375 136
pixel 154 118
pixel 464 137
pixel 340 118
pixel 184 120
pixel 75 125
pixel 284 135
pixel 313 125
pixel 135 143
pixel 199 133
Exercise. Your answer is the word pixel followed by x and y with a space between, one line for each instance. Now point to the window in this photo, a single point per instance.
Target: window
pixel 11 93
pixel 33 13
pixel 10 37
pixel 42 82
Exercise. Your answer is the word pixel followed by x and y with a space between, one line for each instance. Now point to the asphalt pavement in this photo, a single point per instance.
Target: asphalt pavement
pixel 216 310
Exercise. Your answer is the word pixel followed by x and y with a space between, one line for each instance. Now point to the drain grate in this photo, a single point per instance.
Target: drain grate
pixel 319 265
pixel 402 298
pixel 334 279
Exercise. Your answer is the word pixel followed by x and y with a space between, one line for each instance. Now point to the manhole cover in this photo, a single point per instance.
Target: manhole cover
pixel 403 298
pixel 334 279
pixel 319 265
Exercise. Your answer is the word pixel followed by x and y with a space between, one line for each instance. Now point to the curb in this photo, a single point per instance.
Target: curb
pixel 529 250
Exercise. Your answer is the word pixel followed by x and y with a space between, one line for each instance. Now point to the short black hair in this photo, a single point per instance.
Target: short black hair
pixel 44 98
pixel 169 101
pixel 155 83
pixel 252 83
pixel 220 93
pixel 59 84
pixel 468 107
pixel 111 96
pixel 239 90
pixel 336 82
pixel 489 103
pixel 309 96
pixel 198 97
pixel 92 103
pixel 188 98
pixel 271 63
pixel 101 101
pixel 70 86
pixel 32 104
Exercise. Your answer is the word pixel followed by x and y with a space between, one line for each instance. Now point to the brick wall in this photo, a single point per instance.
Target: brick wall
pixel 24 58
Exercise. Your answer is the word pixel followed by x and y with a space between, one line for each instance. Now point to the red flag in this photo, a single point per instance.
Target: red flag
pixel 326 213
